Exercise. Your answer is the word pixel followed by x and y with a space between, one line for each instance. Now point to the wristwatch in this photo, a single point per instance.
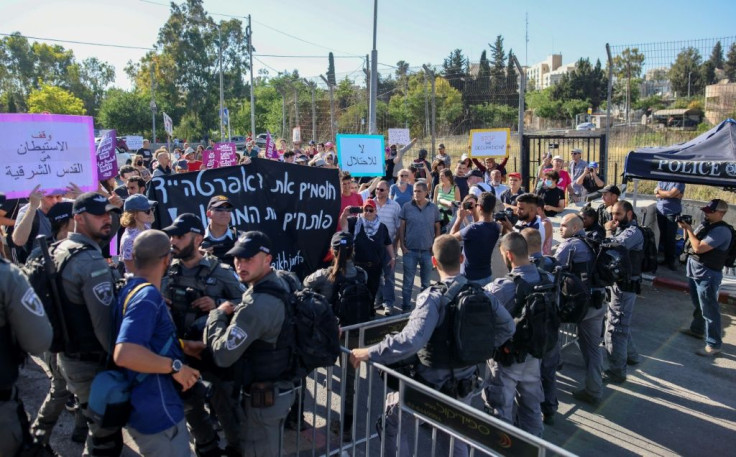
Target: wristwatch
pixel 176 366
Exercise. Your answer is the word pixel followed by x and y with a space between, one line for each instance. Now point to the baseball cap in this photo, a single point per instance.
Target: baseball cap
pixel 300 159
pixel 715 205
pixel 58 212
pixel 250 244
pixel 369 202
pixel 463 158
pixel 593 165
pixel 441 146
pixel 183 224
pixel 138 202
pixel 422 153
pixel 514 175
pixel 93 203
pixel 319 163
pixel 612 189
pixel 576 151
pixel 557 158
pixel 477 173
pixel 218 201
pixel 189 151
pixel 328 144
pixel 341 239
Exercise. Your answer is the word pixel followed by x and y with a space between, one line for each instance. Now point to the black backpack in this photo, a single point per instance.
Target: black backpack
pixel 45 278
pixel 471 323
pixel 535 314
pixel 575 298
pixel 314 323
pixel 649 261
pixel 352 301
pixel 612 262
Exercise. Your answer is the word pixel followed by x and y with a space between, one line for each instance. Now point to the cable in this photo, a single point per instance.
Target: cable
pixel 309 57
pixel 55 40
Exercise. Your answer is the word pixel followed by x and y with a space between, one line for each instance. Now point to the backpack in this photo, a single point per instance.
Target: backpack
pixel 315 327
pixel 535 314
pixel 649 261
pixel 612 262
pixel 574 300
pixel 45 277
pixel 352 301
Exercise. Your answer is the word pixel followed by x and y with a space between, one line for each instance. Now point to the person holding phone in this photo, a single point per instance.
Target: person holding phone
pixel 590 181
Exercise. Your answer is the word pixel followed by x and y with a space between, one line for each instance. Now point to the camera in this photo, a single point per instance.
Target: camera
pixel 686 218
pixel 355 210
pixel 507 214
pixel 468 205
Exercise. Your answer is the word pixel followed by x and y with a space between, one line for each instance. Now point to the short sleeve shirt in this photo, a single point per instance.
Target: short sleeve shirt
pixel 419 234
pixel 479 239
pixel 670 206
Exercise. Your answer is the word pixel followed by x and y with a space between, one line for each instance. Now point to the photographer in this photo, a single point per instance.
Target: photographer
pixel 590 181
pixel 479 239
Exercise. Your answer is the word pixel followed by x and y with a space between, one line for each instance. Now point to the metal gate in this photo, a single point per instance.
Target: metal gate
pixel 535 145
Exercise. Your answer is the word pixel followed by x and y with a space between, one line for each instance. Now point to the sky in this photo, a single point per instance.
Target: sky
pixel 417 31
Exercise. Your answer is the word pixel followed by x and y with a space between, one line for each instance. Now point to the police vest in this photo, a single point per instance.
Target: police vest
pixel 9 358
pixel 220 247
pixel 715 259
pixel 436 353
pixel 183 290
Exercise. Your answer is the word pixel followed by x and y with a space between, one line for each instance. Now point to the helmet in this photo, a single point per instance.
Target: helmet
pixel 613 264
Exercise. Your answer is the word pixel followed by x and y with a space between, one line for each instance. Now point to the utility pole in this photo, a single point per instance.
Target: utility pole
pixel 281 91
pixel 249 38
pixel 312 86
pixel 332 107
pixel 429 71
pixel 372 128
pixel 153 102
pixel 522 92
pixel 222 93
pixel 426 106
pixel 367 73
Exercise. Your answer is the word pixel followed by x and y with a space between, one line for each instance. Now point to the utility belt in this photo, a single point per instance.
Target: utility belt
pixel 458 388
pixel 508 354
pixel 264 394
pixel 99 357
pixel 632 285
pixel 8 394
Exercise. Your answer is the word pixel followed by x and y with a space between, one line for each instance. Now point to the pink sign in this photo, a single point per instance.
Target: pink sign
pixel 222 155
pixel 271 152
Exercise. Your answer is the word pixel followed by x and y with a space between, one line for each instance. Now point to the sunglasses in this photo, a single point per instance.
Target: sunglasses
pixel 369 210
pixel 403 176
pixel 222 210
pixel 147 211
pixel 380 190
pixel 576 153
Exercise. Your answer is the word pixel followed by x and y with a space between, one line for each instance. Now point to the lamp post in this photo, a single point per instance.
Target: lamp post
pixel 372 128
pixel 222 93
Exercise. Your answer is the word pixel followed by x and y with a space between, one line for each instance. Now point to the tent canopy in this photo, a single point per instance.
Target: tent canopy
pixel 708 159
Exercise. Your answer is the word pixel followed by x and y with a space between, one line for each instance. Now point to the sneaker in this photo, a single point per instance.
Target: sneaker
pixel 585 397
pixel 610 376
pixel 292 423
pixel 687 331
pixel 71 404
pixel 549 419
pixel 708 351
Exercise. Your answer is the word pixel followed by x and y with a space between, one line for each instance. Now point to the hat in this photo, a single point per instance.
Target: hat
pixel 138 202
pixel 93 203
pixel 576 151
pixel 319 163
pixel 369 202
pixel 312 143
pixel 250 244
pixel 58 212
pixel 514 175
pixel 341 239
pixel 441 146
pixel 329 144
pixel 477 173
pixel 218 201
pixel 557 158
pixel 463 158
pixel 188 151
pixel 422 153
pixel 301 159
pixel 183 224
pixel 715 205
pixel 612 189
pixel 593 165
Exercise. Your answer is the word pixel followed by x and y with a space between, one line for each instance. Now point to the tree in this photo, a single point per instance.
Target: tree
pixel 708 73
pixel 478 91
pixel 627 66
pixel 90 80
pixel 716 56
pixel 544 105
pixel 126 111
pixel 729 66
pixel 685 76
pixel 455 69
pixel 498 69
pixel 584 82
pixel 55 100
pixel 512 82
pixel 410 108
pixel 331 70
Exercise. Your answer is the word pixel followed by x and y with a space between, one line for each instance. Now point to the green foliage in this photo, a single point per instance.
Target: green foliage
pixel 685 72
pixel 716 56
pixel 544 105
pixel 411 108
pixel 574 106
pixel 729 66
pixel 54 100
pixel 627 68
pixel 654 102
pixel 127 112
pixel 584 82
pixel 455 69
pixel 492 115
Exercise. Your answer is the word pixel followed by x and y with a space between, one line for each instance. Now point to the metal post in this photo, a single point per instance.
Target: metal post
pixel 153 103
pixel 249 35
pixel 312 87
pixel 372 128
pixel 608 108
pixel 283 111
pixel 522 94
pixel 688 84
pixel 434 107
pixel 222 93
pixel 426 106
pixel 332 108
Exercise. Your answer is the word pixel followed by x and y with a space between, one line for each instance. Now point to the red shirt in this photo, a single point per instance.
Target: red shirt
pixel 564 180
pixel 194 165
pixel 353 200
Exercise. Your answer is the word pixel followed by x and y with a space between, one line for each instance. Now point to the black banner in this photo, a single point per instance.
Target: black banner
pixel 481 431
pixel 295 205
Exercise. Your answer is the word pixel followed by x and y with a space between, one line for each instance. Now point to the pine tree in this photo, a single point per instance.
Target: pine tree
pixel 498 68
pixel 716 56
pixel 512 83
pixel 730 64
pixel 331 70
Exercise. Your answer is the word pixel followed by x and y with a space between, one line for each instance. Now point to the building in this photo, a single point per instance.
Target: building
pixel 535 73
pixel 720 101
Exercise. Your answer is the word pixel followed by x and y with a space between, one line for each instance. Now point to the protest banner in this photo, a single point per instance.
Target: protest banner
pixel 296 135
pixel 134 142
pixel 51 150
pixel 398 136
pixel 210 158
pixel 361 155
pixel 297 207
pixel 107 161
pixel 489 142
pixel 168 124
pixel 221 155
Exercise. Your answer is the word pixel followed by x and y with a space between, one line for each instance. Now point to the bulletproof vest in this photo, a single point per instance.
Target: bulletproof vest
pixel 8 358
pixel 268 362
pixel 636 259
pixel 714 259
pixel 77 318
pixel 183 290
pixel 583 270
pixel 220 247
pixel 436 353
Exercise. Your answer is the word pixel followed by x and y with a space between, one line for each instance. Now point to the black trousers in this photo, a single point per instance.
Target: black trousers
pixel 667 233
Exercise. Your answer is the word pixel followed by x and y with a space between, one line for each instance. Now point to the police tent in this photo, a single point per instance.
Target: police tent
pixel 709 159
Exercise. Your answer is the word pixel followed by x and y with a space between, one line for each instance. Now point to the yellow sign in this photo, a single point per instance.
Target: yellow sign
pixel 489 142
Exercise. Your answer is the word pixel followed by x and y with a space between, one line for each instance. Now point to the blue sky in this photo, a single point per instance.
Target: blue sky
pixel 417 31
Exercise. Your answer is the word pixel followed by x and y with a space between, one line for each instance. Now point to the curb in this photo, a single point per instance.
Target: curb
pixel 727 298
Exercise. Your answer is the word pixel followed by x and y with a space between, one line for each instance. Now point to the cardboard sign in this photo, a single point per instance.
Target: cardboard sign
pixel 398 136
pixel 296 135
pixel 51 150
pixel 361 155
pixel 134 142
pixel 107 162
pixel 168 124
pixel 489 142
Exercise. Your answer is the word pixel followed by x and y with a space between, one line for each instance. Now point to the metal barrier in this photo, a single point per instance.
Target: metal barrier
pixel 438 420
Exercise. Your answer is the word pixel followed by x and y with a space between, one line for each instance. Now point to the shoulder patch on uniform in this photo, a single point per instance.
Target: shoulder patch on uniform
pixel 422 297
pixel 235 338
pixel 103 292
pixel 32 303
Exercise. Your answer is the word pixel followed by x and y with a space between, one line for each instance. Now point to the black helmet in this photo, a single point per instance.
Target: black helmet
pixel 613 263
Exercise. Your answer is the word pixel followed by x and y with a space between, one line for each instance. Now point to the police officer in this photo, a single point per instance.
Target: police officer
pixel 195 285
pixel 573 251
pixel 87 293
pixel 624 230
pixel 426 324
pixel 219 236
pixel 254 333
pixel 514 380
pixel 706 250
pixel 24 327
pixel 609 195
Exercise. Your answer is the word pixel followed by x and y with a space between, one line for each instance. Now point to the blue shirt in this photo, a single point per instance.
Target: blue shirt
pixel 147 322
pixel 395 194
pixel 718 238
pixel 479 239
pixel 670 206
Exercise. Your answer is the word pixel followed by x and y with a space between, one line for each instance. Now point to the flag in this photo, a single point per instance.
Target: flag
pixel 168 124
pixel 226 116
pixel 270 147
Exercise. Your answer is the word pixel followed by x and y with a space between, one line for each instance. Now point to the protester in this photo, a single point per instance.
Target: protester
pixel 145 153
pixel 509 196
pixel 479 239
pixel 164 161
pixel 564 181
pixel 442 155
pixel 476 184
pixel 489 165
pixel 669 206
pixel 139 163
pixel 31 222
pixel 495 180
pixel 402 191
pixel 395 160
pixel 124 174
pixel 593 229
pixel 421 165
pixel 609 195
pixel 137 216
pixel 578 167
pixel 547 223
pixel 437 166
pixel 194 161
pixel 554 197
pixel 446 194
pixel 461 178
pixel 347 196
pixel 589 183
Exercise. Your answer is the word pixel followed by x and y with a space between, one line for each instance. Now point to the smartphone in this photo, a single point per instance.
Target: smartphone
pixel 356 210
pixel 468 205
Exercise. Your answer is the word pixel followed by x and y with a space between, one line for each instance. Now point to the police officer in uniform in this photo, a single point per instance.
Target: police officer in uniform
pixel 425 334
pixel 219 237
pixel 24 327
pixel 256 334
pixel 518 378
pixel 88 290
pixel 623 229
pixel 195 285
pixel 575 252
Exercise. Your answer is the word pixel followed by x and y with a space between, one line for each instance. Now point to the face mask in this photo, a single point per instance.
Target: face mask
pixel 548 182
